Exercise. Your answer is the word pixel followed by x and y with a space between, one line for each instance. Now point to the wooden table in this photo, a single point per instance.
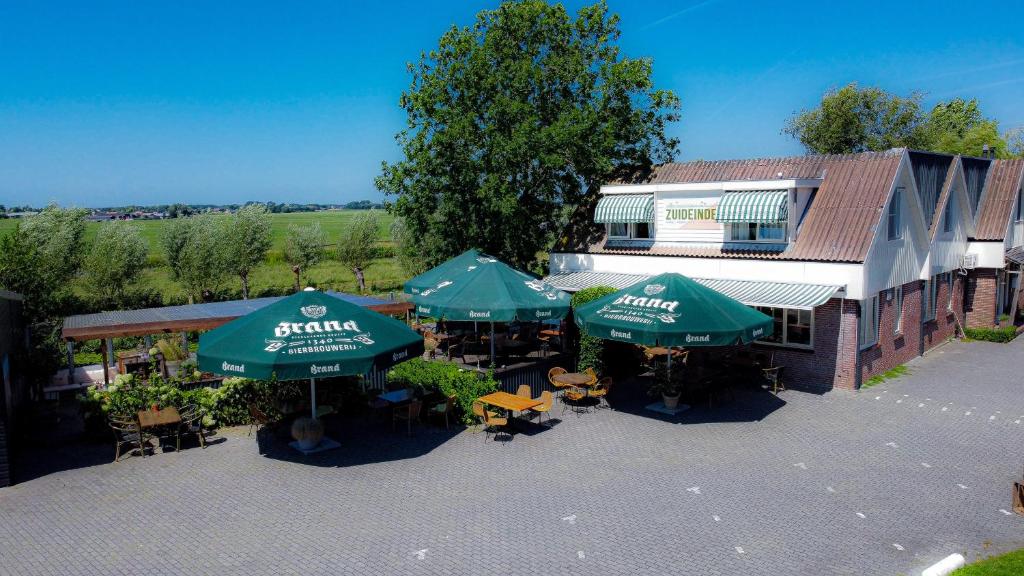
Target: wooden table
pixel 166 417
pixel 509 402
pixel 662 351
pixel 578 379
pixel 551 333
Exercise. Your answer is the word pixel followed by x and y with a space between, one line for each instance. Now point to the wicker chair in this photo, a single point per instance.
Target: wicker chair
pixel 408 413
pixel 127 432
pixel 547 400
pixel 601 391
pixel 191 423
pixel 559 387
pixel 593 375
pixel 573 397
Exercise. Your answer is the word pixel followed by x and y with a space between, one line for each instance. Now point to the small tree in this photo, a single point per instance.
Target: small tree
pixel 356 249
pixel 591 348
pixel 115 261
pixel 304 248
pixel 202 258
pixel 58 236
pixel 173 238
pixel 248 241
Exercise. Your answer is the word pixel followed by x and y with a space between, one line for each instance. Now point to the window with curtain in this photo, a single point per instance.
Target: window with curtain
pixel 793 327
pixel 754 232
pixel 867 334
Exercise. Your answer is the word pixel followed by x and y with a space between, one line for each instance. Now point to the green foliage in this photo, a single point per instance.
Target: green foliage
pixel 890 374
pixel 198 250
pixel 115 261
pixel 667 383
pixel 1009 564
pixel 305 246
pixel 406 251
pixel 1002 335
pixel 854 119
pixel 514 122
pixel 448 379
pixel 58 234
pixel 248 240
pixel 171 350
pixel 592 350
pixel 357 243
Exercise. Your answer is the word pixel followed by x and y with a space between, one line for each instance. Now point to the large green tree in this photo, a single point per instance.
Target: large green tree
pixel 248 241
pixel 115 261
pixel 513 123
pixel 58 235
pixel 854 119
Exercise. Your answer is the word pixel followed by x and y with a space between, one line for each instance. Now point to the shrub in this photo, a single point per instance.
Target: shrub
pixel 592 350
pixel 446 378
pixel 1001 335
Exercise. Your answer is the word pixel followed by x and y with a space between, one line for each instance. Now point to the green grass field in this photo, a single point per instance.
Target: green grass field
pixel 275 275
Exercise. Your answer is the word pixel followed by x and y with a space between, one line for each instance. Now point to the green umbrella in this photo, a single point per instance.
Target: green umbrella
pixel 307 335
pixel 672 310
pixel 432 277
pixel 488 290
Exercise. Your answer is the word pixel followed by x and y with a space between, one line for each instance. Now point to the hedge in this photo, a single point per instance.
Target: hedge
pixel 1001 335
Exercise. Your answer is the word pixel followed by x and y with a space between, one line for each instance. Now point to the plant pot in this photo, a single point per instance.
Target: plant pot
pixel 308 432
pixel 670 401
pixel 172 367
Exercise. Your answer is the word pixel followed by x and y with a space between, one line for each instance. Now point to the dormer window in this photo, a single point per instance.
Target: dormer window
pixel 755 215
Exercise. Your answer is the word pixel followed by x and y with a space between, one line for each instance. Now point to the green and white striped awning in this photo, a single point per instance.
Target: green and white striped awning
pixel 628 208
pixel 749 292
pixel 761 206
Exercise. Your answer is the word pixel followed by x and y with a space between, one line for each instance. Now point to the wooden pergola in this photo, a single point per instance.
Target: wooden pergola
pixel 105 326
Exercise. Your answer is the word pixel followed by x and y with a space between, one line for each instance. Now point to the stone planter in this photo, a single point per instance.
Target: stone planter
pixel 308 432
pixel 173 367
pixel 670 401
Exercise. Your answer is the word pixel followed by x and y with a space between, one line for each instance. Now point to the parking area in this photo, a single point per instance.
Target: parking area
pixel 884 481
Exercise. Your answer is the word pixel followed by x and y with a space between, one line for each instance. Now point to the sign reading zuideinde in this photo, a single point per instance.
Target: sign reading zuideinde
pixel 309 334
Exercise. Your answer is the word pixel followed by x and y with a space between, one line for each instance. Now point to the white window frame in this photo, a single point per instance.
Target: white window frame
pixel 631 231
pixel 608 228
pixel 785 343
pixel 949 291
pixel 947 216
pixel 897 300
pixel 928 297
pixel 868 313
pixel 1019 215
pixel 894 218
pixel 757 232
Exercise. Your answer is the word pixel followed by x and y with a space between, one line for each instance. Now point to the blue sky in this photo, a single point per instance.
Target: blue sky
pixel 110 103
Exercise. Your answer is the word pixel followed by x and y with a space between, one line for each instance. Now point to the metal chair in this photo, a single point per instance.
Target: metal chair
pixel 547 401
pixel 774 377
pixel 191 423
pixel 128 432
pixel 408 413
pixel 443 409
pixel 524 391
pixel 600 391
pixel 495 424
pixel 257 418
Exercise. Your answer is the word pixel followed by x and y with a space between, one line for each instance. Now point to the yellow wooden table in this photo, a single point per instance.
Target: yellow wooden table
pixel 509 401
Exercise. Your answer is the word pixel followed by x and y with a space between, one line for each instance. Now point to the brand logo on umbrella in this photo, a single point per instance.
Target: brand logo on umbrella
pixel 616 334
pixel 430 291
pixel 232 367
pixel 543 313
pixel 654 289
pixel 274 345
pixel 483 260
pixel 474 314
pixel 314 311
pixel 704 338
pixel 757 332
pixel 314 369
pixel 399 355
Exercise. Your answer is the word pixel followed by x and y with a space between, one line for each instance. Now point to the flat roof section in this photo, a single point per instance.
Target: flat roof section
pixel 189 317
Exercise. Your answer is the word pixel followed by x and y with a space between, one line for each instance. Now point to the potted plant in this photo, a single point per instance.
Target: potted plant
pixel 667 385
pixel 308 432
pixel 173 355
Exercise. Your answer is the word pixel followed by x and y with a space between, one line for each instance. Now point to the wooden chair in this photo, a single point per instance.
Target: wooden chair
pixel 127 432
pixel 525 391
pixel 547 401
pixel 494 424
pixel 774 377
pixel 191 423
pixel 572 396
pixel 601 391
pixel 257 418
pixel 443 409
pixel 408 413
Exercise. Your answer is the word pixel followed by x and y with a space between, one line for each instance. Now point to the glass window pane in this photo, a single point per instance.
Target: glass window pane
pixel 777 316
pixel 642 230
pixel 618 229
pixel 798 327
pixel 772 232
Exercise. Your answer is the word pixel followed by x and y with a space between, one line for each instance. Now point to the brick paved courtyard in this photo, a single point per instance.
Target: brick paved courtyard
pixel 884 481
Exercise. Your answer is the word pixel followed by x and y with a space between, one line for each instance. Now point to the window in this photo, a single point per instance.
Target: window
pixel 1020 208
pixel 928 295
pixel 621 230
pixel 895 223
pixel 947 216
pixel 949 291
pixel 897 309
pixel 867 332
pixel 793 327
pixel 754 232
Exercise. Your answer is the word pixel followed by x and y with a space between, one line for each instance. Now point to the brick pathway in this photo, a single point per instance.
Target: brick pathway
pixel 884 481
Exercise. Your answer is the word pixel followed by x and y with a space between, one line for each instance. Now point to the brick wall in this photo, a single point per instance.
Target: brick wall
pixel 935 332
pixel 832 363
pixel 980 298
pixel 894 348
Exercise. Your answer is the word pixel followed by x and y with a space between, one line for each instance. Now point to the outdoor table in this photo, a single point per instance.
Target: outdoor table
pixel 510 402
pixel 396 396
pixel 552 333
pixel 577 379
pixel 153 419
pixel 662 351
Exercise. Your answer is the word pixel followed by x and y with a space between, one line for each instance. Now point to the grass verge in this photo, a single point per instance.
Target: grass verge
pixel 1010 564
pixel 890 374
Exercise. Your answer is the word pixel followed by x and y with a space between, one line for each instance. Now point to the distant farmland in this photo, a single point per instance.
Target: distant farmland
pixel 274 276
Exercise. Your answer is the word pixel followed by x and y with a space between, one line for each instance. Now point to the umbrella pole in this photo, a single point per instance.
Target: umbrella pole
pixel 670 361
pixel 492 345
pixel 312 396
